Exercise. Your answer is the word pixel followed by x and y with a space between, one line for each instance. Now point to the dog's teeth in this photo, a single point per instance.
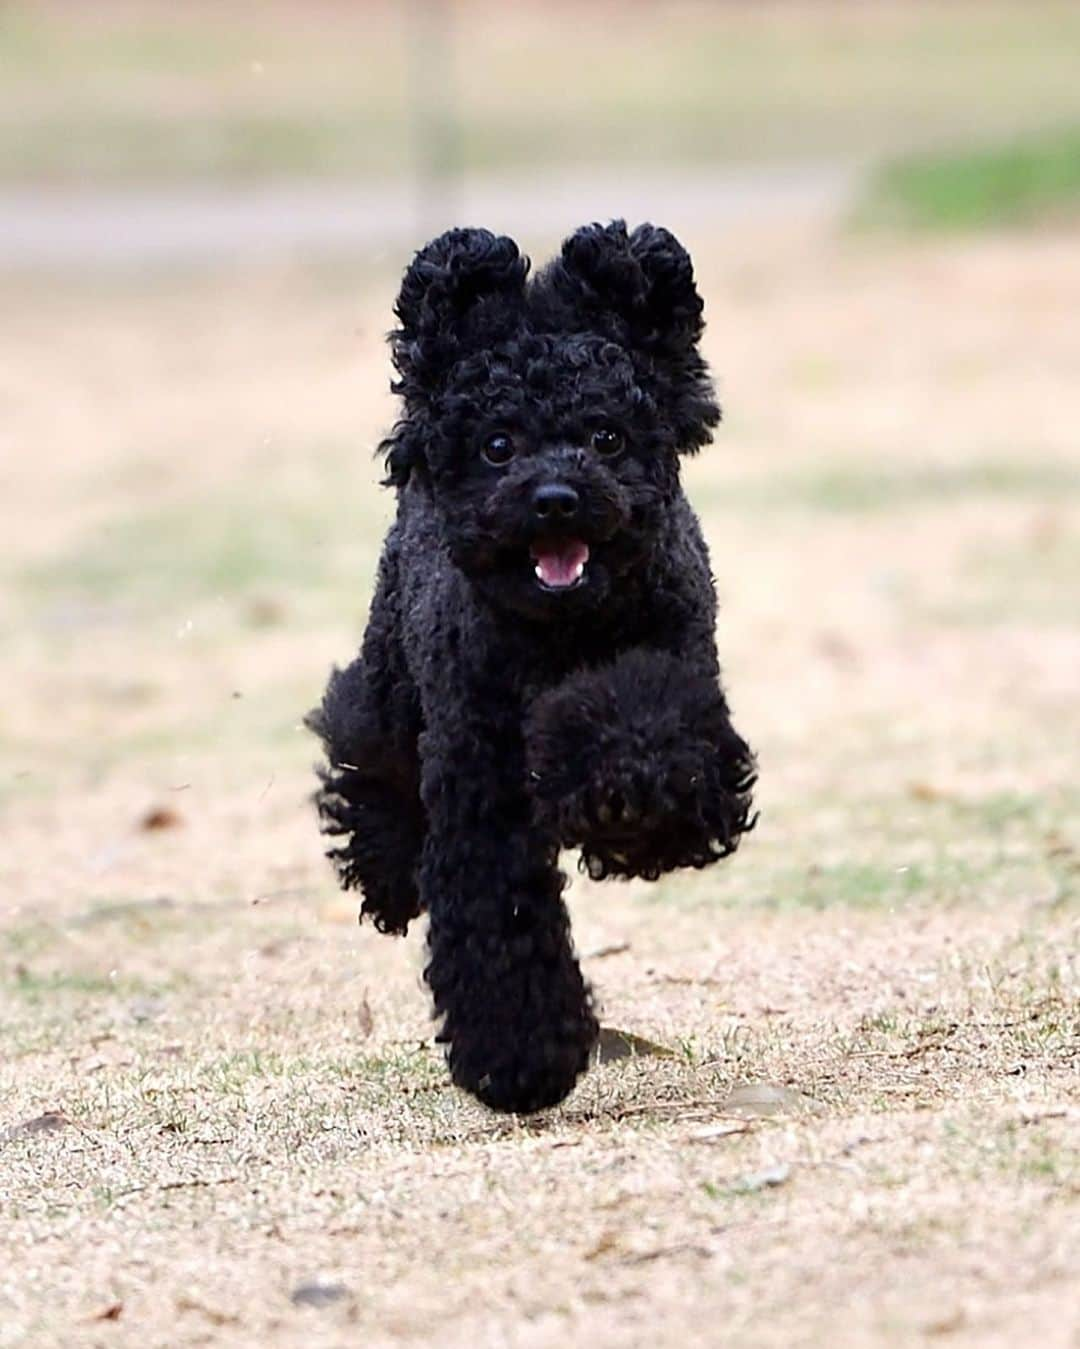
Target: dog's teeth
pixel 538 571
pixel 579 571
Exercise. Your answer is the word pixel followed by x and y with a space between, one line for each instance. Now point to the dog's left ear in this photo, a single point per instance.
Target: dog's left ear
pixel 638 288
pixel 463 289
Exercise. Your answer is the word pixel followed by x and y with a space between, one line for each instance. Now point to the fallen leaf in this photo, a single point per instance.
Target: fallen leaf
pixel 947 1324
pixel 265 612
pixel 161 817
pixel 606 1243
pixel 613 1044
pixel 1056 846
pixel 112 1312
pixel 212 1314
pixel 271 949
pixel 338 911
pixel 317 1293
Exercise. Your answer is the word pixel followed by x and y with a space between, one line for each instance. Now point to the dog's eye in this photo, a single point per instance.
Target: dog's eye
pixel 498 449
pixel 607 441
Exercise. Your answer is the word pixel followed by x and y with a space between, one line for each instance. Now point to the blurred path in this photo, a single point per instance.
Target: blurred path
pixel 144 228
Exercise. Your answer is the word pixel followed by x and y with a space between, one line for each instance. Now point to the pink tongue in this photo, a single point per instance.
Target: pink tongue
pixel 559 564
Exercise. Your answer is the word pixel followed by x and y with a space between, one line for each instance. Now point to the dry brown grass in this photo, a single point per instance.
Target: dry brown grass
pixel 248 1092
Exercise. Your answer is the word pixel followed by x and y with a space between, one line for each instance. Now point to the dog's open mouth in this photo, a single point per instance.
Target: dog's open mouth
pixel 559 564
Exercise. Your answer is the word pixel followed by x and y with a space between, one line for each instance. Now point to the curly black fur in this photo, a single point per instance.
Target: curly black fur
pixel 637 764
pixel 539 668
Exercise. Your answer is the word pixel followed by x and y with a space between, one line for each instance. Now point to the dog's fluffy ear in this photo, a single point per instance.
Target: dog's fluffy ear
pixel 638 286
pixel 465 286
pixel 463 290
pixel 638 289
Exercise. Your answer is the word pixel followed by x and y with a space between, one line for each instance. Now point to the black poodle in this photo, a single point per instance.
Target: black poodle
pixel 539 668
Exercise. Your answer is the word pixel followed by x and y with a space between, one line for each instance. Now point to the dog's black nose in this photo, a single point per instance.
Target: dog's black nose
pixel 555 502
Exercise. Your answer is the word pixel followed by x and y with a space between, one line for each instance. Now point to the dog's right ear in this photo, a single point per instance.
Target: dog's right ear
pixel 638 286
pixel 464 287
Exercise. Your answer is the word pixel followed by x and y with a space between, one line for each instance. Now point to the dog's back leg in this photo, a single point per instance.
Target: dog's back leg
pixel 369 795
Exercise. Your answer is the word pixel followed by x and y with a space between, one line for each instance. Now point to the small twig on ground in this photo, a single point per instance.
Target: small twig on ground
pixel 660 1252
pixel 664 1107
pixel 614 949
pixel 693 980
pixel 194 1184
pixel 288 892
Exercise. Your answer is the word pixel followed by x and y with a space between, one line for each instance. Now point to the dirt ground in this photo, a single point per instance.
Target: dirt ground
pixel 222 1118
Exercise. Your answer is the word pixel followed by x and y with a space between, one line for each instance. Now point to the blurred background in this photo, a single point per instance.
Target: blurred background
pixel 204 212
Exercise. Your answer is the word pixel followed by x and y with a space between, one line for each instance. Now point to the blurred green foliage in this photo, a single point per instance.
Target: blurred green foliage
pixel 1026 182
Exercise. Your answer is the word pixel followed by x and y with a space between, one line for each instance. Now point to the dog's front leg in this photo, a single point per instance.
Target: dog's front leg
pixel 515 1009
pixel 638 765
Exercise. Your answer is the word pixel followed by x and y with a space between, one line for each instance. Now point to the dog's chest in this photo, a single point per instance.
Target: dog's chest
pixel 547 656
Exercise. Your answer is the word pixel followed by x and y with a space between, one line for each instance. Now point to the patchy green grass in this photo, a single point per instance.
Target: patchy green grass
pixel 887 853
pixel 269 550
pixel 40 989
pixel 39 1005
pixel 864 884
pixel 880 886
pixel 845 489
pixel 1025 182
pixel 1034 579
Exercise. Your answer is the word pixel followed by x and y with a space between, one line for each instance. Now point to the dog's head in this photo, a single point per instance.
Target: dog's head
pixel 546 417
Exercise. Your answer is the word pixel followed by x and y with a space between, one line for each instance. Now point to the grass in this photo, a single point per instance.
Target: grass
pixel 168 93
pixel 865 884
pixel 847 489
pixel 1031 579
pixel 265 549
pixel 862 884
pixel 255 1101
pixel 38 989
pixel 1023 182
